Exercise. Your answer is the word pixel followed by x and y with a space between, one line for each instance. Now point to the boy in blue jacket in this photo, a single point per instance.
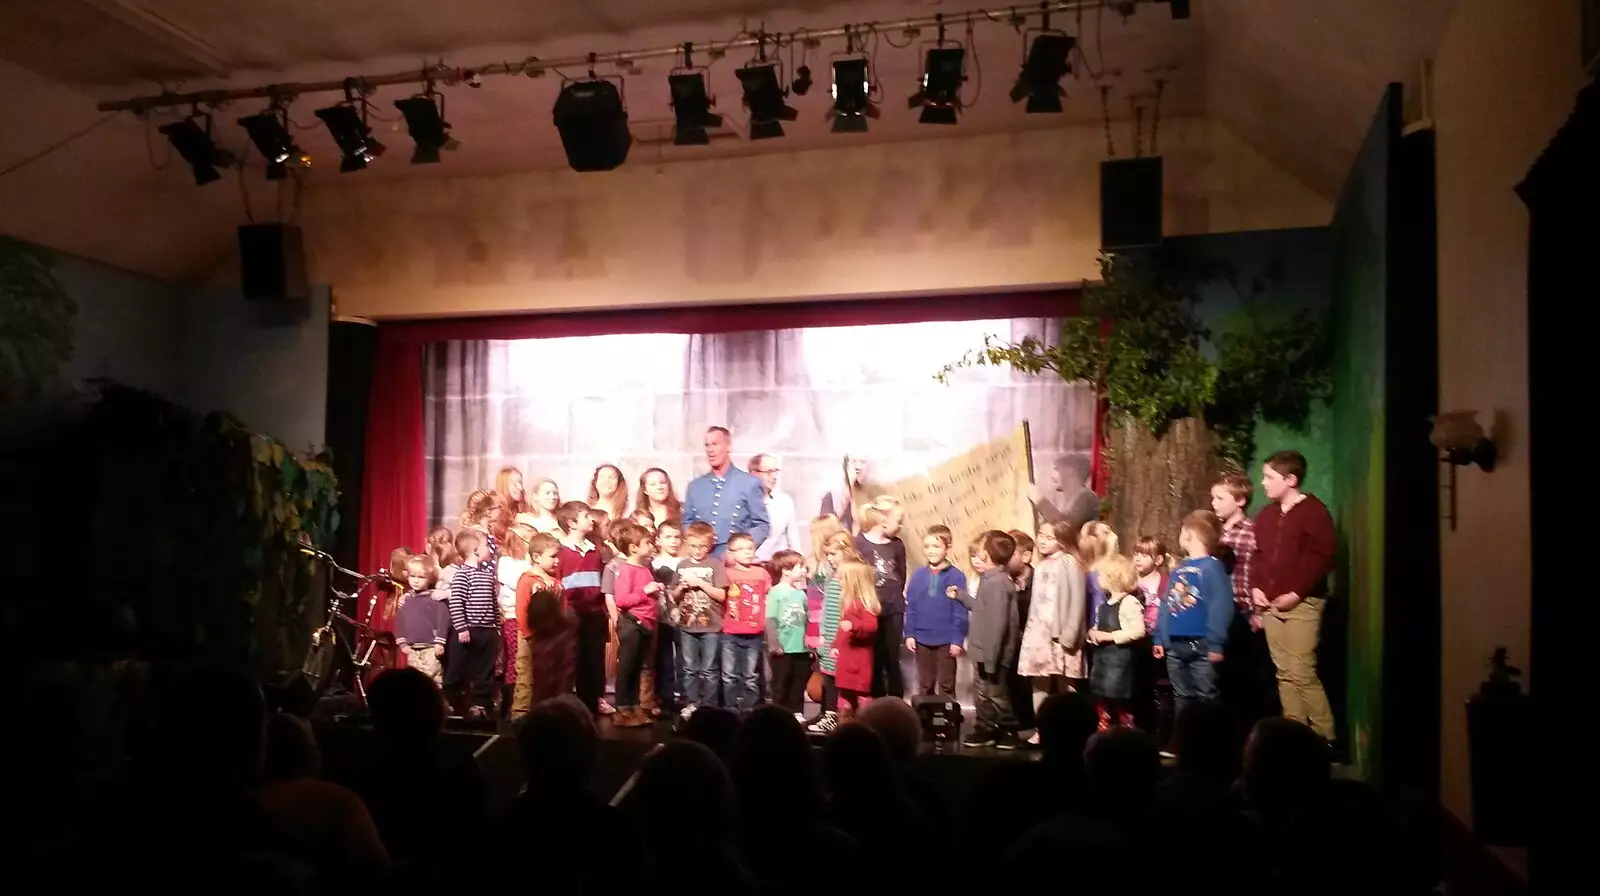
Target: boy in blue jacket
pixel 1192 621
pixel 936 626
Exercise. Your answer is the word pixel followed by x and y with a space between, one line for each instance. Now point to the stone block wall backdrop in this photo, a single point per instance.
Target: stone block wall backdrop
pixel 557 408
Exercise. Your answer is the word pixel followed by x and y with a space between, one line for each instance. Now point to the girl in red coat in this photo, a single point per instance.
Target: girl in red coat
pixel 858 627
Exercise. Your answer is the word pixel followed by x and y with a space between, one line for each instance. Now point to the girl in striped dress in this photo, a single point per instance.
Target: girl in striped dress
pixel 836 551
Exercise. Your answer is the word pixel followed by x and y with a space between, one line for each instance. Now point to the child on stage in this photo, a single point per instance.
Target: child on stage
pixel 1151 564
pixel 992 640
pixel 475 617
pixel 836 551
pixel 580 565
pixel 549 629
pixel 743 624
pixel 421 624
pixel 787 613
pixel 1117 636
pixel 635 598
pixel 855 641
pixel 667 680
pixel 935 625
pixel 1052 655
pixel 880 546
pixel 1192 628
pixel 699 591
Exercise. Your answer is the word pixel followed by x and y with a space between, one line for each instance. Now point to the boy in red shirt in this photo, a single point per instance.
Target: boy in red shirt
pixel 580 565
pixel 635 596
pixel 1294 551
pixel 744 624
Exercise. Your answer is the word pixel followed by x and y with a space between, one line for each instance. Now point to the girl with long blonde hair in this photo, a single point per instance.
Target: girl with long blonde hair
pixel 540 510
pixel 838 549
pixel 1097 541
pixel 852 645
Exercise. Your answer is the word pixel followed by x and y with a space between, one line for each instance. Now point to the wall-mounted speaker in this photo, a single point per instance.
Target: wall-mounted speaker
pixel 272 263
pixel 1130 203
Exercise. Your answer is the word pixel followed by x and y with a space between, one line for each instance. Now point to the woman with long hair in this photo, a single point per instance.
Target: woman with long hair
pixel 853 492
pixel 540 509
pixel 608 491
pixel 657 497
pixel 508 483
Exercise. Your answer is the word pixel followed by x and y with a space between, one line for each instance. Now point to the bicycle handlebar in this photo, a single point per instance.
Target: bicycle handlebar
pixel 334 564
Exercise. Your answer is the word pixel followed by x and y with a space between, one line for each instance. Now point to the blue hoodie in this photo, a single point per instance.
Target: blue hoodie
pixel 1198 604
pixel 931 616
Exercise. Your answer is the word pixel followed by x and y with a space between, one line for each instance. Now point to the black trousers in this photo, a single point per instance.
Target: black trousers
pixel 469 671
pixel 790 672
pixel 936 669
pixel 633 639
pixel 887 679
pixel 993 699
pixel 594 633
pixel 669 669
pixel 830 694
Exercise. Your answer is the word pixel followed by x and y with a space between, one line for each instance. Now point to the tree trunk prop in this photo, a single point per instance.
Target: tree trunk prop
pixel 1155 482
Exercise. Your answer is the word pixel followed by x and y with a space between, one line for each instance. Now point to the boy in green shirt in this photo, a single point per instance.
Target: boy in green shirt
pixel 786 633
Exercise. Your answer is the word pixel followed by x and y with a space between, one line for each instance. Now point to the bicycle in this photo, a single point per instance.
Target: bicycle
pixel 334 649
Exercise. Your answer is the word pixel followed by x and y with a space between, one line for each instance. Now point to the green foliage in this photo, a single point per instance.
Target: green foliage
pixel 1141 344
pixel 36 317
pixel 195 529
pixel 1137 341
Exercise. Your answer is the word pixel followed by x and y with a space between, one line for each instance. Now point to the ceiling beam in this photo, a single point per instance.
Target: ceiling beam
pixel 169 34
pixel 533 66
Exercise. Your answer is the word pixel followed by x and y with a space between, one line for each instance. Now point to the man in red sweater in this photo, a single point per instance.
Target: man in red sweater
pixel 1294 551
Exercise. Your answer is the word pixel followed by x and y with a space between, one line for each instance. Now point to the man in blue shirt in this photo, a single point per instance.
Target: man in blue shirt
pixel 727 498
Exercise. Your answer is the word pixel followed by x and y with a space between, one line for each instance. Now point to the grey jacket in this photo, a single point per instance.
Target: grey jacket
pixel 992 634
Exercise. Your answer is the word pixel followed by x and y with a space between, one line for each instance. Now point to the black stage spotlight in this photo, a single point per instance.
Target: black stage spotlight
pixel 271 138
pixel 194 143
pixel 594 125
pixel 425 120
pixel 691 107
pixel 764 97
pixel 349 128
pixel 940 95
pixel 802 80
pixel 1047 63
pixel 852 102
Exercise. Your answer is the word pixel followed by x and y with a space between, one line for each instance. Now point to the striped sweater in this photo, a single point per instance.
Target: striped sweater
pixel 829 626
pixel 474 598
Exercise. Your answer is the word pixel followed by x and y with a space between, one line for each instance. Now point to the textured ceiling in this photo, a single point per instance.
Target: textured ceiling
pixel 1295 79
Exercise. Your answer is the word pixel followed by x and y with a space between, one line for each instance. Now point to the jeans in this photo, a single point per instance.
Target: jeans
pixel 1192 675
pixel 992 697
pixel 632 641
pixel 741 663
pixel 887 678
pixel 699 652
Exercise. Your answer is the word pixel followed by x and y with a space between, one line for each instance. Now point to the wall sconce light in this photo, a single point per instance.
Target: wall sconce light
pixel 1461 441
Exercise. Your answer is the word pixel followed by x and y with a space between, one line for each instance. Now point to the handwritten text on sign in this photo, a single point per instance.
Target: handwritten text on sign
pixel 985 488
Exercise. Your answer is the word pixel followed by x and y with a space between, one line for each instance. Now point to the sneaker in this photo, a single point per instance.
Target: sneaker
pixel 1033 739
pixel 800 717
pixel 1006 741
pixel 606 708
pixel 686 712
pixel 978 738
pixel 824 725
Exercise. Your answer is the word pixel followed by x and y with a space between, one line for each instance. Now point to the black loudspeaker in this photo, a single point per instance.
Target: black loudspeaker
pixel 1130 203
pixel 941 720
pixel 1180 9
pixel 272 263
pixel 593 125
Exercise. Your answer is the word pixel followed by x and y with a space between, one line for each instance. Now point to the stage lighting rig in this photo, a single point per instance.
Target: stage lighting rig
pixel 1048 61
pixel 691 104
pixel 424 114
pixel 269 131
pixel 764 95
pixel 593 120
pixel 943 71
pixel 195 144
pixel 852 89
pixel 347 123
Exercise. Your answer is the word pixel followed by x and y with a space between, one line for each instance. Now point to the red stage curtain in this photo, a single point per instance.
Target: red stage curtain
pixel 394 485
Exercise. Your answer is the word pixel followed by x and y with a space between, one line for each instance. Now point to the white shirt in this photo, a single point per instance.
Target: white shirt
pixel 507 572
pixel 784 536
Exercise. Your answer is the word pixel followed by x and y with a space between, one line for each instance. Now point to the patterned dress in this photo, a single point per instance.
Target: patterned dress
pixel 1043 651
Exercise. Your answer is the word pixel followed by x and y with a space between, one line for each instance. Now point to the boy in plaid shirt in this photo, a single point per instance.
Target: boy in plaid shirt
pixel 1247 676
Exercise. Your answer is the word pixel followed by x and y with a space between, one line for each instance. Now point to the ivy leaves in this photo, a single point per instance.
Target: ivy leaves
pixel 1140 342
pixel 36 318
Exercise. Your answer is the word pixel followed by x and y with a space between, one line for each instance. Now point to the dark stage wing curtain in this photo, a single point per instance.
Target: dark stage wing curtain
pixel 455 421
pixel 394 485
